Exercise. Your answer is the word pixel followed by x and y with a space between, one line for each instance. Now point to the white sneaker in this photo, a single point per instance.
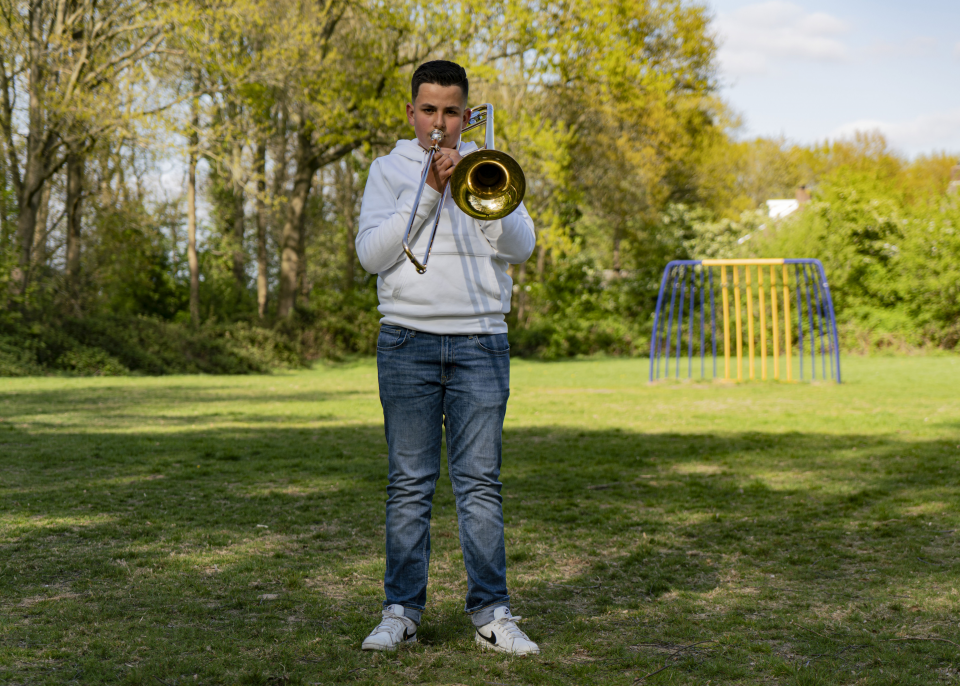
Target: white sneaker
pixel 504 635
pixel 393 630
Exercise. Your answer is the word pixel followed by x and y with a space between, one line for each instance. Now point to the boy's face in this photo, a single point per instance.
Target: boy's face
pixel 438 107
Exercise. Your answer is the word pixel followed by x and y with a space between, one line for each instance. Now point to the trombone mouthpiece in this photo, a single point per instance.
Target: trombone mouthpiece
pixel 436 136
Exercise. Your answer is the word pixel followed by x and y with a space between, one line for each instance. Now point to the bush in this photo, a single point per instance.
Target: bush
pixel 893 262
pixel 15 360
pixel 582 310
pixel 111 346
pixel 334 324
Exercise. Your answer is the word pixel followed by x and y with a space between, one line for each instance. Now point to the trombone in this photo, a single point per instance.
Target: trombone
pixel 486 184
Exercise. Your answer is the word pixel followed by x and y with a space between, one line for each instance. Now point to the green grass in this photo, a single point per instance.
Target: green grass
pixel 229 530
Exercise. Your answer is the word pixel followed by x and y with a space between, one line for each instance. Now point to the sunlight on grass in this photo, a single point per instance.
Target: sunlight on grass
pixel 17 525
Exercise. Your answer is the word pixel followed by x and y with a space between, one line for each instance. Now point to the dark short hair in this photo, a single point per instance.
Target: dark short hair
pixel 441 73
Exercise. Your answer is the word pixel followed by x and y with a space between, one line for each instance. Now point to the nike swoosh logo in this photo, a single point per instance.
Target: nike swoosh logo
pixel 407 634
pixel 492 640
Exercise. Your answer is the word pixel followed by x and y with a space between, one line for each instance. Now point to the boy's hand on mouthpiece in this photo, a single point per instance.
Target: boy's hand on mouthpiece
pixel 442 168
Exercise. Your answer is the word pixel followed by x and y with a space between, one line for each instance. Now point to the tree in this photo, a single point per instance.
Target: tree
pixel 342 70
pixel 629 87
pixel 192 258
pixel 67 59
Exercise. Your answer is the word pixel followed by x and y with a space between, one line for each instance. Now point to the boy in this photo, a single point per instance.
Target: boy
pixel 443 362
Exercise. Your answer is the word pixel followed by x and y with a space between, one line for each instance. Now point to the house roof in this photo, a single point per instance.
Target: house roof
pixel 780 208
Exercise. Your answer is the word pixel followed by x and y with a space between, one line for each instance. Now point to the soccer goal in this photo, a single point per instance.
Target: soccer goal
pixel 771 306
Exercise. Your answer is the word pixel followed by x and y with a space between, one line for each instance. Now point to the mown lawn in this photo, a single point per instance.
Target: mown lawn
pixel 229 530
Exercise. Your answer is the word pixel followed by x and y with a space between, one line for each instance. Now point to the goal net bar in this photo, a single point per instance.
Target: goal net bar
pixel 741 307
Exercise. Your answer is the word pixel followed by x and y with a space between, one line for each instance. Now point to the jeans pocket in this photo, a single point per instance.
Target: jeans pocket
pixel 493 343
pixel 391 337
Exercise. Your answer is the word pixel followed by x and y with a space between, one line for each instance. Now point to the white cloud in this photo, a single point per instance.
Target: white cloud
pixel 755 35
pixel 926 133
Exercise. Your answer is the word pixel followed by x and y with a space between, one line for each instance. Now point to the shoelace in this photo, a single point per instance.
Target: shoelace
pixel 390 623
pixel 510 628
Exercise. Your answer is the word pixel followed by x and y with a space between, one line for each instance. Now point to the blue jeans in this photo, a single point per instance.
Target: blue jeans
pixel 429 383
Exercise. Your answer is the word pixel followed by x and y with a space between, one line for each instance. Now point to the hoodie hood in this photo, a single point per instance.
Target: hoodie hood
pixel 411 149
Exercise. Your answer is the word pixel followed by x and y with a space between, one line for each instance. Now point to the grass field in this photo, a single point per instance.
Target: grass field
pixel 229 530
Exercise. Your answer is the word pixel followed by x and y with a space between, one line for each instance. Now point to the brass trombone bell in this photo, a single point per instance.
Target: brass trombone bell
pixel 487 184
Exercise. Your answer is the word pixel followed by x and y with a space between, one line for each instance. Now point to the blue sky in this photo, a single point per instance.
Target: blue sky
pixel 811 70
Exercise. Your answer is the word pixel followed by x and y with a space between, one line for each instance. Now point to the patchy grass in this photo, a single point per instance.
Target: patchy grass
pixel 211 530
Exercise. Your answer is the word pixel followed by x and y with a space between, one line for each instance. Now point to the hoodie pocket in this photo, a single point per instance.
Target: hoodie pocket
pixel 390 284
pixel 455 285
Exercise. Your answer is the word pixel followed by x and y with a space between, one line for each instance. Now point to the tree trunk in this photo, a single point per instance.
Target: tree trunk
pixel 521 294
pixel 29 207
pixel 239 254
pixel 346 192
pixel 105 194
pixel 293 225
pixel 303 288
pixel 74 196
pixel 31 190
pixel 280 156
pixel 260 168
pixel 192 260
pixel 30 187
pixel 4 209
pixel 75 164
pixel 123 192
pixel 39 256
pixel 617 238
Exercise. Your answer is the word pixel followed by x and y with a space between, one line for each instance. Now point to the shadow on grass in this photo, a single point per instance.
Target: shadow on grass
pixel 249 555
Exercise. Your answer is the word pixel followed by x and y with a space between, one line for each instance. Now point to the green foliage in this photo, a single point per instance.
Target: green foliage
pixel 884 227
pixel 579 310
pixel 15 360
pixel 709 238
pixel 336 324
pixel 891 257
pixel 128 267
pixel 222 299
pixel 120 345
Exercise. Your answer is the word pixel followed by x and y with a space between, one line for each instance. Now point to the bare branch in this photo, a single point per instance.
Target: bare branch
pixel 98 75
pixel 120 30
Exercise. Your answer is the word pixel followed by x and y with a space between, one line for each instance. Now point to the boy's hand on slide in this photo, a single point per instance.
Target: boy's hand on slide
pixel 442 168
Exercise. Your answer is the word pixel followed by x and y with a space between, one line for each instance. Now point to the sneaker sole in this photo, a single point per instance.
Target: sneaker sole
pixel 484 645
pixel 386 649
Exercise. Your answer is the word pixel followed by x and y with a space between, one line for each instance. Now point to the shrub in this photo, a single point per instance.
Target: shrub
pixel 893 262
pixel 112 346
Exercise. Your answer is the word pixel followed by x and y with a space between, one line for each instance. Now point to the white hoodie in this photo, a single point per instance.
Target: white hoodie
pixel 466 288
